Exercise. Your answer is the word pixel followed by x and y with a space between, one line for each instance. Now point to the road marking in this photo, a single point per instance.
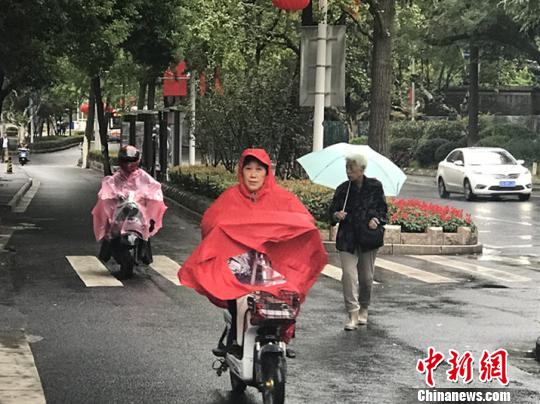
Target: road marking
pixel 166 267
pixel 411 272
pixel 19 378
pixel 335 272
pixel 472 268
pixel 5 235
pixel 494 219
pixel 92 272
pixel 502 247
pixel 27 198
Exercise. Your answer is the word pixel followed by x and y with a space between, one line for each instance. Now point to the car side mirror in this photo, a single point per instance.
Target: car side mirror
pixel 520 162
pixel 458 163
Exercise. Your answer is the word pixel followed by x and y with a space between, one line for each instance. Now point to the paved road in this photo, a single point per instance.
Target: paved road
pixel 148 340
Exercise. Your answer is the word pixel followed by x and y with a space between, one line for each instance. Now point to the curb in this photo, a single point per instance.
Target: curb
pixel 20 193
pixel 414 249
pixel 54 149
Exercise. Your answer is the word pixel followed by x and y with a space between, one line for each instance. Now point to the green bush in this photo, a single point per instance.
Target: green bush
pixel 425 153
pixel 443 150
pixel 53 142
pixel 402 151
pixel 359 140
pixel 528 151
pixel 507 130
pixel 493 141
pixel 407 129
pixel 452 131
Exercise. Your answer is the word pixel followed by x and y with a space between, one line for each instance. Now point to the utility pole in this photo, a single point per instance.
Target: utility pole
pixel 413 95
pixel 193 97
pixel 320 77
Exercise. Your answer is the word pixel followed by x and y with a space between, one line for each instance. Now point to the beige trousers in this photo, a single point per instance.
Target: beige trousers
pixel 357 278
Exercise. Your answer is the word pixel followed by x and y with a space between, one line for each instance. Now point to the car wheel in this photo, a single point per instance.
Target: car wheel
pixel 524 197
pixel 443 193
pixel 467 190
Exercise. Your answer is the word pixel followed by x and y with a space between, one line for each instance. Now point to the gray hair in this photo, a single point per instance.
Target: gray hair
pixel 359 159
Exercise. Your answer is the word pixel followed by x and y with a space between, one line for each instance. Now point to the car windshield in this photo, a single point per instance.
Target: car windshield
pixel 489 158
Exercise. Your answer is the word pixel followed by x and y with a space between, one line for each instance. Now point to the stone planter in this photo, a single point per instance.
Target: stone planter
pixel 433 241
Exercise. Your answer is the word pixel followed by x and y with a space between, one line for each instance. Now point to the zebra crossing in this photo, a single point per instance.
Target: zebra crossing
pixel 442 270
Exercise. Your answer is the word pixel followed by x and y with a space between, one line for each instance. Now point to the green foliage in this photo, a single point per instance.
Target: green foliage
pixel 359 140
pixel 525 150
pixel 507 130
pixel 96 155
pixel 407 129
pixel 402 151
pixel 444 149
pixel 443 129
pixel 53 142
pixel 493 141
pixel 425 153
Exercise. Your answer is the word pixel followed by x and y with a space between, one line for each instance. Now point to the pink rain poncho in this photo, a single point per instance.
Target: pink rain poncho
pixel 138 187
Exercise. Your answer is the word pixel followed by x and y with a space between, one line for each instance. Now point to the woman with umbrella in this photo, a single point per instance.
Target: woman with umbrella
pixel 359 205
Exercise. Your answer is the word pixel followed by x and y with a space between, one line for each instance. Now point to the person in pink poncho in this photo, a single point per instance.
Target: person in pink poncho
pixel 128 182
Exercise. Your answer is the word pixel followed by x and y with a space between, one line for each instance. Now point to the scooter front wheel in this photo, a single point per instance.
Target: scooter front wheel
pixel 273 376
pixel 237 384
pixel 127 262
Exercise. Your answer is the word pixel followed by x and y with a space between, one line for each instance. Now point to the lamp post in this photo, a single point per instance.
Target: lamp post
pixel 320 77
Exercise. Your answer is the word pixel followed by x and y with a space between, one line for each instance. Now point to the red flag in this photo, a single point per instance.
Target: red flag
pixel 175 83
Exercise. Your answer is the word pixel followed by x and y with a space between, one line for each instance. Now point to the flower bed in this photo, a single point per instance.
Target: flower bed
pixel 416 216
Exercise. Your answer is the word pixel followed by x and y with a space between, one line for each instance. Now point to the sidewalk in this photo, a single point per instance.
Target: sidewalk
pixel 12 187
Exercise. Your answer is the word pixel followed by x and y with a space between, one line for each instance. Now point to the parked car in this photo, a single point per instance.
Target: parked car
pixel 483 171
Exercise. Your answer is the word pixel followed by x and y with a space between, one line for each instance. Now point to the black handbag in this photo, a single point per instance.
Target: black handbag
pixel 370 239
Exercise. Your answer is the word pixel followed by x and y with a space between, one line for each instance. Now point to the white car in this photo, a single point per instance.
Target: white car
pixel 489 171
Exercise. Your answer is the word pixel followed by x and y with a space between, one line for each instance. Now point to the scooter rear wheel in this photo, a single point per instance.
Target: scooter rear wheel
pixel 237 384
pixel 273 369
pixel 127 262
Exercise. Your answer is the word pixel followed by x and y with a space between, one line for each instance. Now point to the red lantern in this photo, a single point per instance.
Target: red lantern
pixel 84 108
pixel 175 83
pixel 291 5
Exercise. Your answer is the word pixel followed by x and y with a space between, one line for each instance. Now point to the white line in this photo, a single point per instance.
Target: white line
pixel 166 267
pixel 494 219
pixel 502 247
pixel 5 235
pixel 411 272
pixel 473 268
pixel 335 272
pixel 27 198
pixel 19 378
pixel 92 272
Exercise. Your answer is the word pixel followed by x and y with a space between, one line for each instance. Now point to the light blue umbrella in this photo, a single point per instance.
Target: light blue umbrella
pixel 327 167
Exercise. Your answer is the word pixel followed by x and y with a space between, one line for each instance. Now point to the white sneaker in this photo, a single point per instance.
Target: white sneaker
pixel 351 323
pixel 362 316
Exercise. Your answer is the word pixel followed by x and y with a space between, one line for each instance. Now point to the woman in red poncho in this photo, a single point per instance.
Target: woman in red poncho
pixel 254 215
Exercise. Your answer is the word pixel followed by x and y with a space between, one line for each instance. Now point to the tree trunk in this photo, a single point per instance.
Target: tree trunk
pixel 381 74
pixel 151 94
pixel 473 103
pixel 89 130
pixel 96 85
pixel 141 99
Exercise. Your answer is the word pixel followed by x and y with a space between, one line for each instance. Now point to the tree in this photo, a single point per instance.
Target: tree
pixel 96 30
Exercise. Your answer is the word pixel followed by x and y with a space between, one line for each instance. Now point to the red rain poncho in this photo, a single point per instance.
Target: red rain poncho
pixel 272 221
pixel 148 196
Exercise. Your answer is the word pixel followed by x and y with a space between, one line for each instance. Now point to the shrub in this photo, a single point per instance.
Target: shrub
pixel 425 153
pixel 507 130
pixel 444 149
pixel 402 151
pixel 452 131
pixel 493 141
pixel 528 151
pixel 407 129
pixel 359 140
pixel 53 142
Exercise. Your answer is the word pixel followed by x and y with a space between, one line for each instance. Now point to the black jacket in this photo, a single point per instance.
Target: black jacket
pixel 362 205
